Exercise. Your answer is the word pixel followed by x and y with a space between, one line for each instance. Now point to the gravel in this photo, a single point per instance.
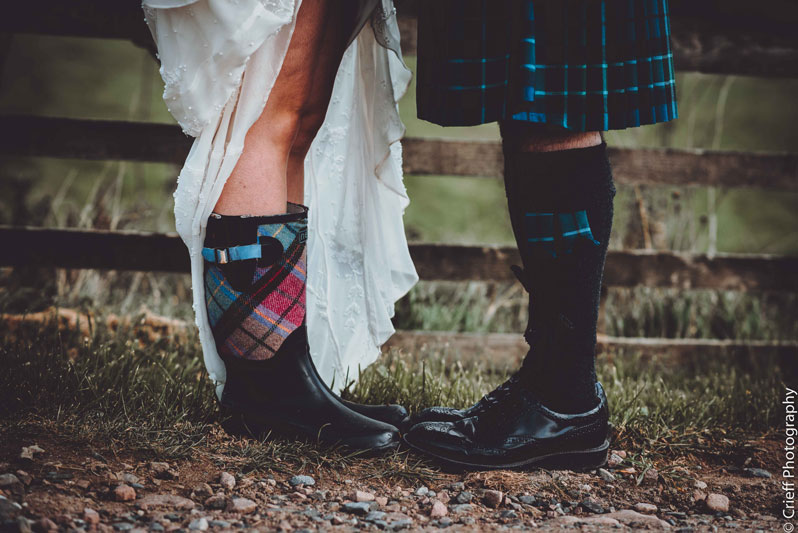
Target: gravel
pixel 228 481
pixel 306 481
pixel 606 475
pixel 200 524
pixel 358 508
pixel 758 472
pixel 493 498
pixel 717 503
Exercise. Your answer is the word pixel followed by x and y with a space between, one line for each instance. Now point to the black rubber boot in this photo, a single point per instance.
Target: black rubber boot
pixel 285 396
pixel 255 295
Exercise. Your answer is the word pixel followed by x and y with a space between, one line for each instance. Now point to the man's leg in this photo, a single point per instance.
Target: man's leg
pixel 560 195
pixel 551 413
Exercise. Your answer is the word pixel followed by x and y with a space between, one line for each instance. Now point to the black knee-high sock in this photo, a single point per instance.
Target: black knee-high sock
pixel 562 276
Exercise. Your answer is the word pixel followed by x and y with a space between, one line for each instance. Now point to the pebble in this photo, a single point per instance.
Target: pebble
pixel 362 496
pixel 592 506
pixel 20 525
pixel 646 508
pixel 128 477
pixel 444 522
pixel 422 491
pixel 11 483
pixel 155 526
pixel 606 475
pixel 508 514
pixel 590 520
pixel 462 508
pixel 628 516
pixel 24 477
pixel 493 498
pixel 464 497
pixel 202 491
pixel 757 472
pixel 8 509
pixel 228 481
pixel 527 499
pixel 614 460
pixel 700 484
pixel 45 524
pixel 375 516
pixel 123 526
pixel 200 524
pixel 165 500
pixel 717 502
pixel 382 501
pixel 91 516
pixel 358 508
pixel 242 505
pixel 402 523
pixel 218 501
pixel 124 493
pixel 29 452
pixel 438 510
pixel 162 470
pixel 219 523
pixel 307 481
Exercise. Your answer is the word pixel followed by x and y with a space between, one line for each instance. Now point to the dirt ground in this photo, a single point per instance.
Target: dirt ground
pixel 48 483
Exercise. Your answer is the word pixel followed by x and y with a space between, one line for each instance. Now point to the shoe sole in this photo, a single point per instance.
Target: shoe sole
pixel 578 460
pixel 236 425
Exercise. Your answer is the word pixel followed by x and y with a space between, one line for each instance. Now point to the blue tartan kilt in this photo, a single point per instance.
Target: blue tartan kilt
pixel 584 65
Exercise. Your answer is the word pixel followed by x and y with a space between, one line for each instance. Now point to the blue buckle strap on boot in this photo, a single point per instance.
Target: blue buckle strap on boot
pixel 267 251
pixel 548 228
pixel 222 256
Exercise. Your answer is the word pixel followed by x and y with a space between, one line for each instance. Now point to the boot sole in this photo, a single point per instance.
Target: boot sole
pixel 236 425
pixel 579 460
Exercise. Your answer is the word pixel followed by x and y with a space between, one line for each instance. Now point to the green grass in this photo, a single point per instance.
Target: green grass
pixel 110 390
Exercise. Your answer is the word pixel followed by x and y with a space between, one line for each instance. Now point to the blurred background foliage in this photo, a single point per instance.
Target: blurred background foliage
pixel 106 79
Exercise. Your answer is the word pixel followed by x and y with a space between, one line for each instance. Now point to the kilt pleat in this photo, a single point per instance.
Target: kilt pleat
pixel 585 65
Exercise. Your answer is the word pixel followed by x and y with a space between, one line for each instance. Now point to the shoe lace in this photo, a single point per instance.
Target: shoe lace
pixel 502 408
pixel 498 394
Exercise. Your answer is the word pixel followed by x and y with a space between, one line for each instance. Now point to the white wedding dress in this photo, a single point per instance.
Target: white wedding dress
pixel 219 61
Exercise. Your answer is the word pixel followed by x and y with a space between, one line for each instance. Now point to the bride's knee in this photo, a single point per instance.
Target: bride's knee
pixel 310 123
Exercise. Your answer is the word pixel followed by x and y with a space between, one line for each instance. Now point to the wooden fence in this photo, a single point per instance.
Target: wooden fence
pixel 712 36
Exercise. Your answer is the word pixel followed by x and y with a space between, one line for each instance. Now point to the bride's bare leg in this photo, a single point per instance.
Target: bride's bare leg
pixel 318 100
pixel 258 184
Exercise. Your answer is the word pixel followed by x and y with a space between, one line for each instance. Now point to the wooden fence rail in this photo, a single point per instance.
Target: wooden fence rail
pixel 508 349
pixel 116 250
pixel 713 36
pixel 165 143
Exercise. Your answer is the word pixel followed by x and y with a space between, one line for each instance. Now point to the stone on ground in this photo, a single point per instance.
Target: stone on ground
pixel 227 480
pixel 438 510
pixel 718 503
